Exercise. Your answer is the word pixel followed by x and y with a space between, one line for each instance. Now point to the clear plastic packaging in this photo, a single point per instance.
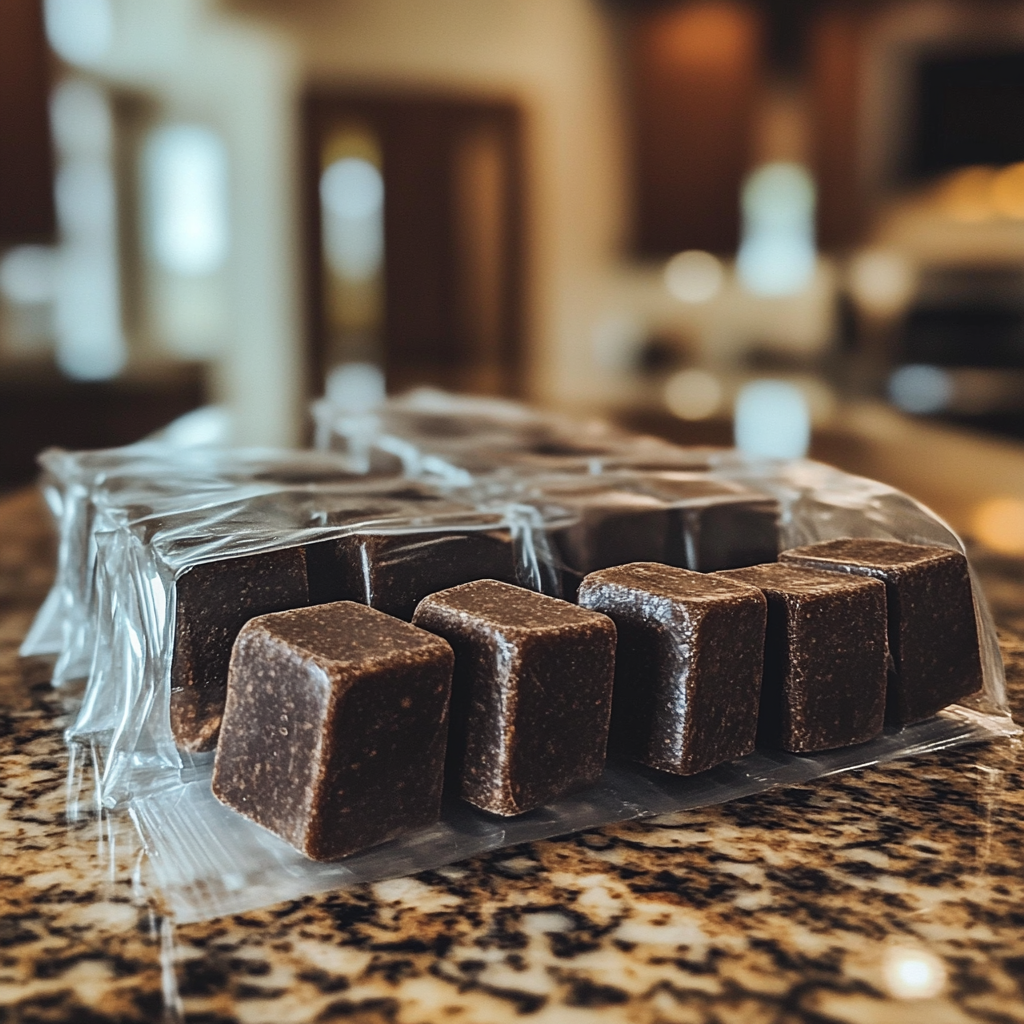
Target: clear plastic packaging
pixel 73 483
pixel 132 523
pixel 466 439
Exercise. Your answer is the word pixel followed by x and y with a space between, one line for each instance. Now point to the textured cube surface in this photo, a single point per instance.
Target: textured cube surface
pixel 431 545
pixel 213 601
pixel 717 524
pixel 531 696
pixel 328 562
pixel 606 528
pixel 825 657
pixel 679 518
pixel 688 664
pixel 334 728
pixel 933 634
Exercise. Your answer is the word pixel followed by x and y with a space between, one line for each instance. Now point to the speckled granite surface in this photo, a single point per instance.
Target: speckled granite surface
pixel 822 903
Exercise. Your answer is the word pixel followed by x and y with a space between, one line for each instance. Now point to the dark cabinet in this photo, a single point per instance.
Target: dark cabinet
pixel 693 71
pixel 26 154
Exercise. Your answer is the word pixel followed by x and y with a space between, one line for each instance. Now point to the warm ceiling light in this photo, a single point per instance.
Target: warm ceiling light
pixel 1007 191
pixel 694 276
pixel 693 394
pixel 966 195
pixel 998 523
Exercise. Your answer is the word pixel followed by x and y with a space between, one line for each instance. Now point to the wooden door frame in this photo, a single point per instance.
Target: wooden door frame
pixel 324 107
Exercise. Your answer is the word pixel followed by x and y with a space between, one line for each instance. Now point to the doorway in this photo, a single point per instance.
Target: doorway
pixel 414 239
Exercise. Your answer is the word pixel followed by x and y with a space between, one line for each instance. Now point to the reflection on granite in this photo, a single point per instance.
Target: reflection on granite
pixel 824 902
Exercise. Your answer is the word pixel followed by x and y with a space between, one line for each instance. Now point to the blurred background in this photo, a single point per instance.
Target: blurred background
pixel 799 223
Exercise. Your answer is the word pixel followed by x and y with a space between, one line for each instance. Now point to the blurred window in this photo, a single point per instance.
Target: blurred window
pixel 187 198
pixel 186 237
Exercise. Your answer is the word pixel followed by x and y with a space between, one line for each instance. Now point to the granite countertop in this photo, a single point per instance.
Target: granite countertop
pixel 832 901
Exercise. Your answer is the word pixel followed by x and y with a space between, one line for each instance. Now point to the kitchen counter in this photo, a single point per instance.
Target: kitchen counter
pixel 833 901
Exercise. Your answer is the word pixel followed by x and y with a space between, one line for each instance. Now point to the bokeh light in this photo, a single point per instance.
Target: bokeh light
pixel 80 31
pixel 352 193
pixel 694 276
pixel 913 973
pixel 1007 192
pixel 81 118
pixel 187 194
pixel 881 281
pixel 352 187
pixel 777 255
pixel 919 388
pixel 90 343
pixel 27 275
pixel 772 420
pixel 998 523
pixel 693 394
pixel 355 387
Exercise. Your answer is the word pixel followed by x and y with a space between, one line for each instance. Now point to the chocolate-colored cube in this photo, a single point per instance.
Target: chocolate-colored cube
pixel 405 545
pixel 327 562
pixel 688 664
pixel 213 601
pixel 334 728
pixel 717 524
pixel 825 657
pixel 394 571
pixel 531 696
pixel 605 528
pixel 933 635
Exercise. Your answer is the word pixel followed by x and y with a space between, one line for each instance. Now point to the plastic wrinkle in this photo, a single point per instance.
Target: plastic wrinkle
pixel 132 521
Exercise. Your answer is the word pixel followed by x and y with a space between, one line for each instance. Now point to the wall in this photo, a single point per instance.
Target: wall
pixel 243 81
pixel 557 59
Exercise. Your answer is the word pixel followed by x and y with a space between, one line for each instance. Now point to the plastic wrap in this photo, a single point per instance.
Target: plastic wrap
pixel 74 482
pixel 466 439
pixel 143 520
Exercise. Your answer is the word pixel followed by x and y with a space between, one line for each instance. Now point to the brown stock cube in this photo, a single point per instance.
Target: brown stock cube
pixel 825 657
pixel 531 696
pixel 334 728
pixel 730 533
pixel 213 601
pixel 606 528
pixel 393 567
pixel 689 522
pixel 688 664
pixel 933 635
pixel 326 562
pixel 718 524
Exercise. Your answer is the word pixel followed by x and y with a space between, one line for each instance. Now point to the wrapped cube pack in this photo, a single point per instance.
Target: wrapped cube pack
pixel 214 601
